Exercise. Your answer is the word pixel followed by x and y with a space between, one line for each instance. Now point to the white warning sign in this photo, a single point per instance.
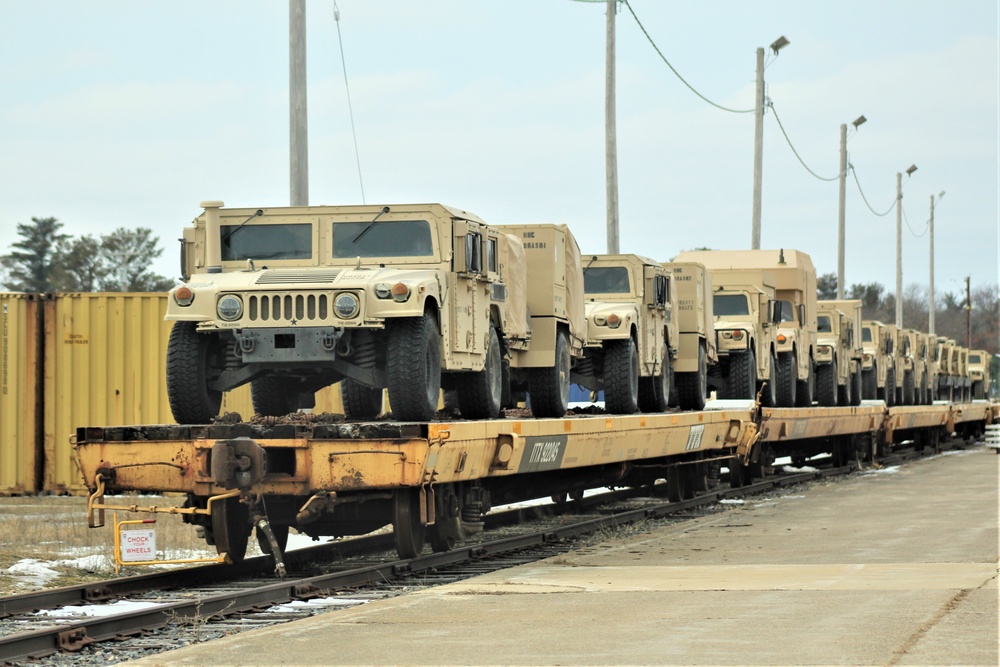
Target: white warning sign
pixel 138 545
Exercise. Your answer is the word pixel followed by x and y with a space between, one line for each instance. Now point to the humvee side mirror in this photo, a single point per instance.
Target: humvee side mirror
pixel 776 307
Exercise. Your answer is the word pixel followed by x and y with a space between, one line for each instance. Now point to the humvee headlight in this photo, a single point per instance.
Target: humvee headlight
pixel 614 321
pixel 866 358
pixel 600 320
pixel 824 349
pixel 183 296
pixel 382 291
pixel 346 306
pixel 400 292
pixel 230 307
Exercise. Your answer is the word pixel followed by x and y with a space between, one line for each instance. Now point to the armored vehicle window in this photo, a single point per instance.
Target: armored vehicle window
pixel 491 255
pixel 730 304
pixel 823 324
pixel 391 238
pixel 973 358
pixel 266 242
pixel 866 335
pixel 787 311
pixel 606 280
pixel 473 253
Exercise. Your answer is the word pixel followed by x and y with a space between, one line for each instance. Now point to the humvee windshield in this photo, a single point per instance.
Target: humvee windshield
pixel 973 358
pixel 823 324
pixel 391 238
pixel 606 280
pixel 866 335
pixel 266 242
pixel 787 311
pixel 730 304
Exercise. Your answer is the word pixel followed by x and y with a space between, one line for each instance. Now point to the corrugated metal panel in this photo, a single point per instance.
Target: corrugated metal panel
pixel 20 399
pixel 104 366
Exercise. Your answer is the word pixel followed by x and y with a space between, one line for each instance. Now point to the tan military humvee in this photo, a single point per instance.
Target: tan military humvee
pixel 877 363
pixel 838 352
pixel 409 297
pixel 979 373
pixel 901 360
pixel 921 368
pixel 745 330
pixel 795 293
pixel 963 383
pixel 631 333
pixel 947 365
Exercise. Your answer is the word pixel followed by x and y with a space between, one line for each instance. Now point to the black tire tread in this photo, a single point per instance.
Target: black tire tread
pixel 480 394
pixel 742 375
pixel 548 388
pixel 411 341
pixel 191 401
pixel 786 379
pixel 361 402
pixel 621 377
pixel 826 384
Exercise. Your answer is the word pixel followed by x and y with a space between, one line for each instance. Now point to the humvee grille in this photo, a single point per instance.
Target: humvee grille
pixel 309 276
pixel 285 307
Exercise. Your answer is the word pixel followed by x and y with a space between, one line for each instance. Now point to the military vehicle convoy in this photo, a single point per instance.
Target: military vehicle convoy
pixel 697 352
pixel 839 352
pixel 409 297
pixel 794 310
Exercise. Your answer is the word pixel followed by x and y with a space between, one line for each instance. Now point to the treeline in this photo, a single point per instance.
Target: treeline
pixel 44 259
pixel 949 316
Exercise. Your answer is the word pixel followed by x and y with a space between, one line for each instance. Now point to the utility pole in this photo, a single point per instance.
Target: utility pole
pixel 611 145
pixel 758 150
pixel 298 125
pixel 930 292
pixel 840 211
pixel 899 250
pixel 968 313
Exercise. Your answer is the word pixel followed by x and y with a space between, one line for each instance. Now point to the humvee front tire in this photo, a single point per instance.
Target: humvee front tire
pixel 742 375
pixel 361 402
pixel 786 379
pixel 480 394
pixel 869 382
pixel 908 388
pixel 189 355
pixel 549 387
pixel 621 377
pixel 414 368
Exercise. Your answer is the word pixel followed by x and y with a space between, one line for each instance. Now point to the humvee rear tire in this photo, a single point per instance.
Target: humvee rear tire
pixel 806 390
pixel 548 388
pixel 189 355
pixel 769 388
pixel 908 388
pixel 654 391
pixel 856 378
pixel 414 368
pixel 742 375
pixel 480 394
pixel 869 382
pixel 888 393
pixel 786 381
pixel 826 384
pixel 361 402
pixel 691 386
pixel 273 396
pixel 621 377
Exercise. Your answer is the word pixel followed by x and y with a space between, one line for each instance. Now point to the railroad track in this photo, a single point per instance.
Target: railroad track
pixel 204 600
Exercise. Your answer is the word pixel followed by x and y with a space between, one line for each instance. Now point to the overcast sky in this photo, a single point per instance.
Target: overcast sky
pixel 127 114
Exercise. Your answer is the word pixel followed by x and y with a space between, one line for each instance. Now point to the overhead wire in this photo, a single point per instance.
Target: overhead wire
pixel 350 108
pixel 795 152
pixel 865 199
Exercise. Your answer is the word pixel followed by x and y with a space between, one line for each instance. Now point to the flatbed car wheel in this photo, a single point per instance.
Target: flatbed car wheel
pixel 409 532
pixel 621 377
pixel 414 368
pixel 189 358
pixel 549 387
pixel 231 528
pixel 361 402
pixel 480 394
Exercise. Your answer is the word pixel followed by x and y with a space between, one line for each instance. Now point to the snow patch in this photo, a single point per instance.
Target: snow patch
pixel 110 609
pixel 320 603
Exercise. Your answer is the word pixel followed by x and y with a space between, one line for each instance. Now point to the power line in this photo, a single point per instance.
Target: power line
pixel 865 199
pixel 676 73
pixel 927 224
pixel 350 109
pixel 789 141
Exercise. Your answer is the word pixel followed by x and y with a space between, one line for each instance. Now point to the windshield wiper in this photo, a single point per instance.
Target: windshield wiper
pixel 256 214
pixel 385 209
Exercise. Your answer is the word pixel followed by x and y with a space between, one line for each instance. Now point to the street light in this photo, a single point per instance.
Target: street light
pixel 860 120
pixel 758 139
pixel 930 320
pixel 899 243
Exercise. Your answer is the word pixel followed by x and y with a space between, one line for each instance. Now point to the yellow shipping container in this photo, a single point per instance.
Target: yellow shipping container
pixel 20 394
